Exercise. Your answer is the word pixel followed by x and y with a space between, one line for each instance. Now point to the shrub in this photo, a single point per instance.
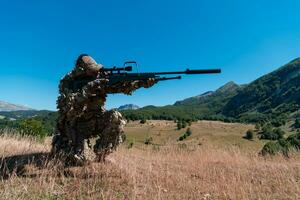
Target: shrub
pixel 282 145
pixel 179 125
pixel 188 132
pixel 183 124
pixel 143 121
pixel 294 140
pixel 130 144
pixel 297 123
pixel 32 127
pixel 181 138
pixel 285 146
pixel 271 148
pixel 279 133
pixel 257 127
pixel 271 134
pixel 148 140
pixel 249 135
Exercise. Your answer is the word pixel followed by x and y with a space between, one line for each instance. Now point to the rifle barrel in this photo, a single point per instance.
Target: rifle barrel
pixel 188 71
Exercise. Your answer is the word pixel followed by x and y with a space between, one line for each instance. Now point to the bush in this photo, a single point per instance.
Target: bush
pixel 271 148
pixel 271 134
pixel 183 124
pixel 282 145
pixel 148 140
pixel 257 127
pixel 143 121
pixel 297 123
pixel 294 140
pixel 32 127
pixel 130 144
pixel 249 135
pixel 181 138
pixel 179 125
pixel 188 132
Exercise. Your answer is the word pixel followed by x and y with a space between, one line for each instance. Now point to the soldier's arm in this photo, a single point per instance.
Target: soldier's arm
pixel 129 87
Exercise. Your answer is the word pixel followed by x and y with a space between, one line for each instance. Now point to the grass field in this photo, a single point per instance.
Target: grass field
pixel 215 162
pixel 207 133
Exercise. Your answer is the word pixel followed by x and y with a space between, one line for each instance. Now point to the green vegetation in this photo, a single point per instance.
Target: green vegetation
pixel 249 135
pixel 186 134
pixel 148 140
pixel 270 133
pixel 283 146
pixel 297 123
pixel 32 127
pixel 294 140
pixel 181 124
pixel 143 121
pixel 43 122
pixel 273 98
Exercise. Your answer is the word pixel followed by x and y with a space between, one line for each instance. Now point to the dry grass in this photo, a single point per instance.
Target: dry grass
pixel 172 171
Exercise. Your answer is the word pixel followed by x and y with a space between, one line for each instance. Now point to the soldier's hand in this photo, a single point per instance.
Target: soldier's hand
pixel 149 83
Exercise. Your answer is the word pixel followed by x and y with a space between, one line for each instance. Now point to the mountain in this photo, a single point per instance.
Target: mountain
pixel 128 107
pixel 4 106
pixel 206 105
pixel 220 96
pixel 276 93
pixel 274 97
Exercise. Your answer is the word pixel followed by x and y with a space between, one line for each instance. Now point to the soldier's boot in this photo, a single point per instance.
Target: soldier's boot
pixel 111 135
pixel 77 157
pixel 60 145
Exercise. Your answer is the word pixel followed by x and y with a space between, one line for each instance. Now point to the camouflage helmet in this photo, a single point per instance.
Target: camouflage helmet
pixel 87 63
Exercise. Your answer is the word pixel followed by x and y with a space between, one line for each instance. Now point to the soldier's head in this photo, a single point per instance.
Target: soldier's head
pixel 88 64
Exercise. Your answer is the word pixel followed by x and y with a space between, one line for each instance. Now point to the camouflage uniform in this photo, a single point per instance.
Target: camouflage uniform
pixel 81 111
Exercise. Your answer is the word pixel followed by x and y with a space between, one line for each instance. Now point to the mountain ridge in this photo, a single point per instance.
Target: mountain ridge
pixel 5 106
pixel 272 97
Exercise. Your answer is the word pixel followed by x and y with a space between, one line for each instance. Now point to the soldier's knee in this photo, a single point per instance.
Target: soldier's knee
pixel 115 117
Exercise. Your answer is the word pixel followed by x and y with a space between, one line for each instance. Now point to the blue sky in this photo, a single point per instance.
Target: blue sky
pixel 40 41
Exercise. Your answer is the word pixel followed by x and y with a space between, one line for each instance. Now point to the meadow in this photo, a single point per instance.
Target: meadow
pixel 214 162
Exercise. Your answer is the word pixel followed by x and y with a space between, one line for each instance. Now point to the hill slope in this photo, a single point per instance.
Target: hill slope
pixel 204 106
pixel 275 96
pixel 276 93
pixel 5 106
pixel 128 107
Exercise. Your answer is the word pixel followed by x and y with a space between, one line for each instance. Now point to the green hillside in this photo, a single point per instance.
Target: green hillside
pixel 206 106
pixel 274 97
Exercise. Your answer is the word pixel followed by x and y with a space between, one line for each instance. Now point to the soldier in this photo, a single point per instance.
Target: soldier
pixel 81 112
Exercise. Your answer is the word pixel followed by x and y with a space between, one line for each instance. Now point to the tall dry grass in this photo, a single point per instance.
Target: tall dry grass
pixel 207 173
pixel 148 172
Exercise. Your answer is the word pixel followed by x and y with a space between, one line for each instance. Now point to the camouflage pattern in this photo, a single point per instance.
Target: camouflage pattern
pixel 82 115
